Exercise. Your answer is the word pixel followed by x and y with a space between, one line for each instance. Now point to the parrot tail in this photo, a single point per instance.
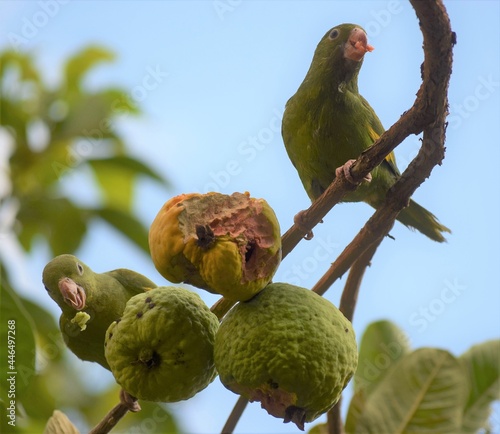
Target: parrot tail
pixel 417 217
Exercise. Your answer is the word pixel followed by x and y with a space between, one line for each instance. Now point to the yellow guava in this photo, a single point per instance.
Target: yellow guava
pixel 288 348
pixel 226 244
pixel 162 347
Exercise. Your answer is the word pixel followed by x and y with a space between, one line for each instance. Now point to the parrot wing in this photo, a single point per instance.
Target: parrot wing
pixel 375 130
pixel 133 282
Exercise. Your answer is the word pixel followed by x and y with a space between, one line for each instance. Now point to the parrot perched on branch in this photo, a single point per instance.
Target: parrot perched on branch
pixel 90 302
pixel 327 124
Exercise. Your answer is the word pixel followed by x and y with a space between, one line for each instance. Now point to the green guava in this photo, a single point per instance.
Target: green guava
pixel 162 347
pixel 288 348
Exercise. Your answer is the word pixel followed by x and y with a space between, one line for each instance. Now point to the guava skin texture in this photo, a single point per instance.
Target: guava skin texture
pixel 162 347
pixel 288 348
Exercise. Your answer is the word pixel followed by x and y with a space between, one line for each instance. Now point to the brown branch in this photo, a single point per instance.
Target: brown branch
pixel 427 114
pixel 127 403
pixel 351 289
pixel 110 420
pixel 347 306
pixel 235 415
pixel 334 419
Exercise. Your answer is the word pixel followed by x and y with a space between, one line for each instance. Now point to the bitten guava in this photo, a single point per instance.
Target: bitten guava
pixel 226 244
pixel 288 348
pixel 162 347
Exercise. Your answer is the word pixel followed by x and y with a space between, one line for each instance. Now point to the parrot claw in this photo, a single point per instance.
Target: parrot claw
pixel 129 401
pixel 346 170
pixel 299 222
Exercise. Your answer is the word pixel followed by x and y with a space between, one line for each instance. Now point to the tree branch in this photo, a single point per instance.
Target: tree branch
pixel 235 415
pixel 110 420
pixel 427 114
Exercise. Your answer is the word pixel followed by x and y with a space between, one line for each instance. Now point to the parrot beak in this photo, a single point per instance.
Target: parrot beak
pixel 73 294
pixel 357 45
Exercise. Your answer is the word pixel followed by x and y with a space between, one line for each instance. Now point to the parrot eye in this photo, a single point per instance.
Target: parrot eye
pixel 80 268
pixel 334 34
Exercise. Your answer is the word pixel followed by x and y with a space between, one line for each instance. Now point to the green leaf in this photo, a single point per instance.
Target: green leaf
pixel 117 176
pixel 355 410
pixel 424 392
pixel 50 344
pixel 382 345
pixel 127 224
pixel 60 221
pixel 59 423
pixel 22 61
pixel 91 117
pixel 82 62
pixel 17 364
pixel 321 428
pixel 482 363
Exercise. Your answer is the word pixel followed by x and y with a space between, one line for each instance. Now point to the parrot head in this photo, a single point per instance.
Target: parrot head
pixel 67 281
pixel 339 55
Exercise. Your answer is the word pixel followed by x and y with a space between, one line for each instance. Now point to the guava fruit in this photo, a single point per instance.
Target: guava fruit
pixel 162 347
pixel 225 244
pixel 288 348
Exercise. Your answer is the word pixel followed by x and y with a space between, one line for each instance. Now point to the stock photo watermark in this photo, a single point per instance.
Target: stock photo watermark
pixel 222 7
pixel 382 17
pixel 247 150
pixel 427 314
pixel 387 354
pixel 324 251
pixel 484 89
pixel 31 26
pixel 10 353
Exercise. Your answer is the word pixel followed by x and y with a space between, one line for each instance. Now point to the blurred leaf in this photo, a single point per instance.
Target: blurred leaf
pixel 321 428
pixel 39 402
pixel 50 344
pixel 91 117
pixel 22 61
pixel 424 392
pixel 59 423
pixel 77 66
pixel 61 222
pixel 153 417
pixel 482 363
pixel 14 117
pixel 382 345
pixel 116 177
pixel 355 410
pixel 127 224
pixel 17 364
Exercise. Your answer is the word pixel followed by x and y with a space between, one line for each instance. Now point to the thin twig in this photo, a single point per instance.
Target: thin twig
pixel 110 420
pixel 235 415
pixel 347 306
pixel 334 419
pixel 351 289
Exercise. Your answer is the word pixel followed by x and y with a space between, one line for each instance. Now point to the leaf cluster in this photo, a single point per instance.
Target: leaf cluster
pixel 54 133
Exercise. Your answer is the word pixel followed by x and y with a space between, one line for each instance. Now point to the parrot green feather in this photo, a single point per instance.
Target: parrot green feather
pixel 97 298
pixel 327 122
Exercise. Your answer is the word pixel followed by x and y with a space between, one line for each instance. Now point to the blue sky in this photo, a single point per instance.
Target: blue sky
pixel 212 78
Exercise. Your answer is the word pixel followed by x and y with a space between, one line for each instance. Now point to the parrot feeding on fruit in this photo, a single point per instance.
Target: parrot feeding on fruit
pixel 327 124
pixel 90 302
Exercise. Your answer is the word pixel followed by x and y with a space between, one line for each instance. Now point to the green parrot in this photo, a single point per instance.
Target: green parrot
pixel 90 302
pixel 327 124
